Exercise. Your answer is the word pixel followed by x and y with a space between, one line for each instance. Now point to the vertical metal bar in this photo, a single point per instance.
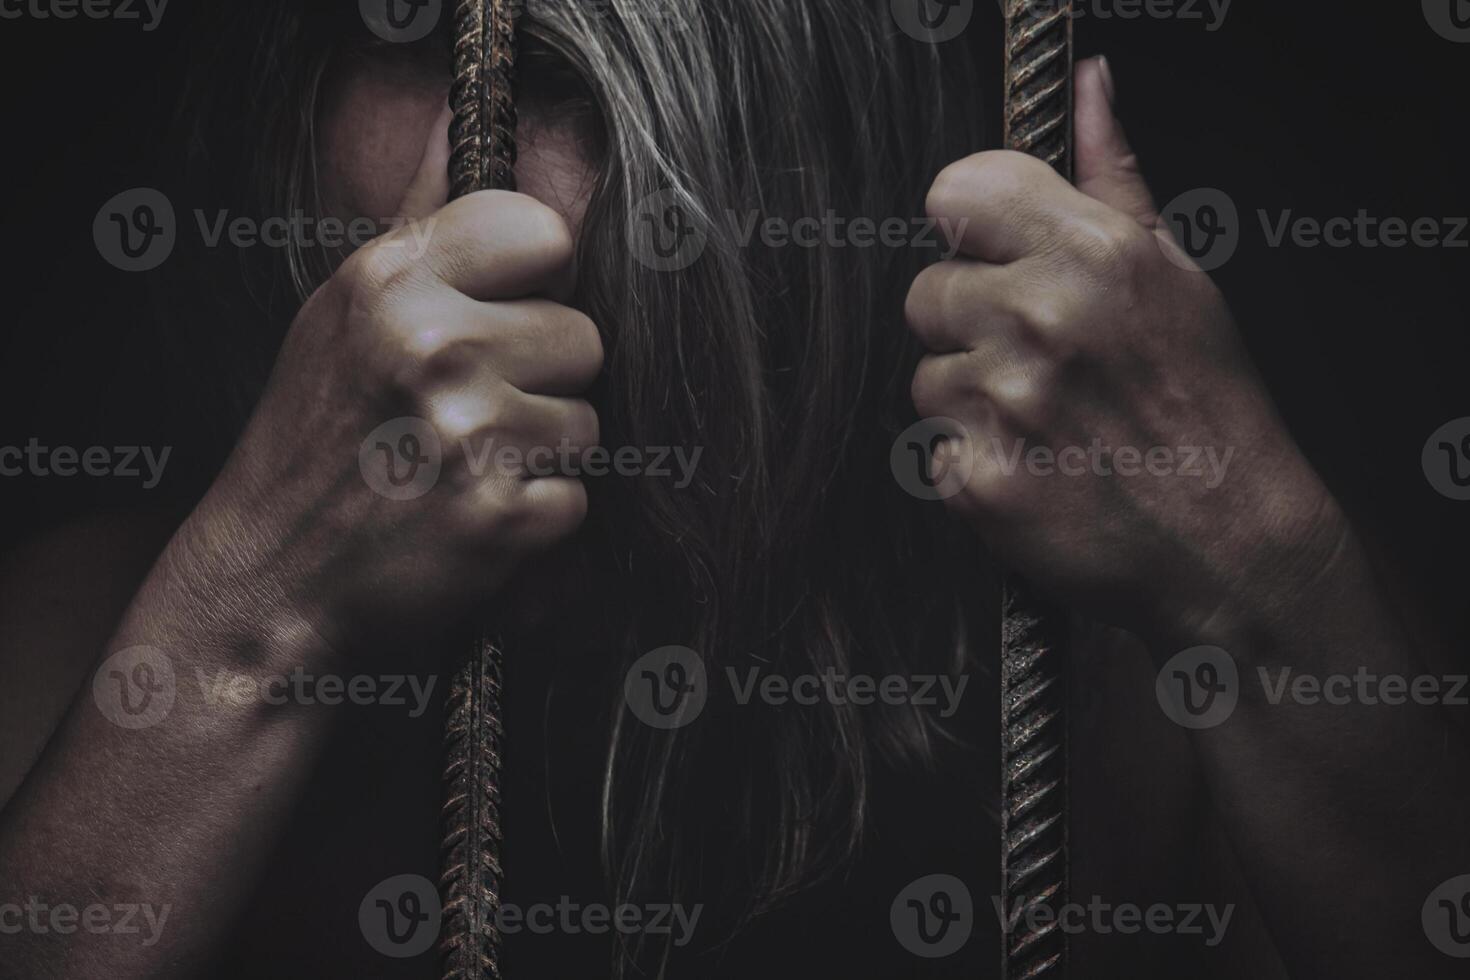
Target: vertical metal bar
pixel 482 155
pixel 1033 744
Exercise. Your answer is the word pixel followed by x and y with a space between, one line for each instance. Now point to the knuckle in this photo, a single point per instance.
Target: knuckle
pixel 1111 243
pixel 585 427
pixel 373 271
pixel 456 430
pixel 921 305
pixel 554 237
pixel 539 226
pixel 584 346
pixel 426 355
pixel 1026 397
pixel 949 189
pixel 928 388
pixel 500 413
pixel 1046 315
pixel 998 174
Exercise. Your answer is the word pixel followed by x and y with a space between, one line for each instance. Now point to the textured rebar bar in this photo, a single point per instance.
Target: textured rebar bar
pixel 1038 86
pixel 482 155
pixel 1033 796
pixel 470 871
pixel 482 137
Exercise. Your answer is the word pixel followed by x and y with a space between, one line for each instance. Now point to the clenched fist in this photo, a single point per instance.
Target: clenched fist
pixel 1114 444
pixel 443 343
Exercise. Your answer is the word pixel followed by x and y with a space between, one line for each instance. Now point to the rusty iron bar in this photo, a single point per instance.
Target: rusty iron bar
pixel 482 156
pixel 1033 743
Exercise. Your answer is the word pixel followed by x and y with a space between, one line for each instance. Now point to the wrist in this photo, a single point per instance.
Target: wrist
pixel 1276 560
pixel 227 605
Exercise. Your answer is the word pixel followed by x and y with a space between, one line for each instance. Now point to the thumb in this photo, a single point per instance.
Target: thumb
pixel 429 189
pixel 1107 167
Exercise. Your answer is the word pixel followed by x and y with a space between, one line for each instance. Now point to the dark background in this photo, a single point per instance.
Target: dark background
pixel 1311 107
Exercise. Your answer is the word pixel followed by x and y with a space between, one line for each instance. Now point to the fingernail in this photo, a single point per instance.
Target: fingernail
pixel 1110 88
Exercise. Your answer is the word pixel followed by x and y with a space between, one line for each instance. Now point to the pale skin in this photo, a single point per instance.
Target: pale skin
pixel 291 559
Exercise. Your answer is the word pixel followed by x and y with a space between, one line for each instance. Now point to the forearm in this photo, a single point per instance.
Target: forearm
pixel 1323 782
pixel 128 849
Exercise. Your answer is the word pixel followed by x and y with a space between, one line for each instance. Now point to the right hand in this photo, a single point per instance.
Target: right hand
pixel 460 332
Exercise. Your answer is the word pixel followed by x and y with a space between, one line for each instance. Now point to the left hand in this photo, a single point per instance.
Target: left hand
pixel 1121 450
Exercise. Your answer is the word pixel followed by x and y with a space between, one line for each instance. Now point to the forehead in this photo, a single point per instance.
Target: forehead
pixel 378 114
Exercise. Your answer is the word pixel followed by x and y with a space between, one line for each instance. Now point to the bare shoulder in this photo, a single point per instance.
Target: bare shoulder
pixel 62 593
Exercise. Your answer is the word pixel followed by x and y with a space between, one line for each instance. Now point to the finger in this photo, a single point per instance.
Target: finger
pixel 952 304
pixel 499 245
pixel 1001 375
pixel 548 510
pixel 535 346
pixel 1107 168
pixel 504 433
pixel 544 348
pixel 1001 205
pixel 550 435
pixel 429 189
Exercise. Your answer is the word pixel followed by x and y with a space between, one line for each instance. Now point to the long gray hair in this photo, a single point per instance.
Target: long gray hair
pixel 794 550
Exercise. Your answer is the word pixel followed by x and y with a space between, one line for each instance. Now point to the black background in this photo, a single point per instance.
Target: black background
pixel 1323 109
